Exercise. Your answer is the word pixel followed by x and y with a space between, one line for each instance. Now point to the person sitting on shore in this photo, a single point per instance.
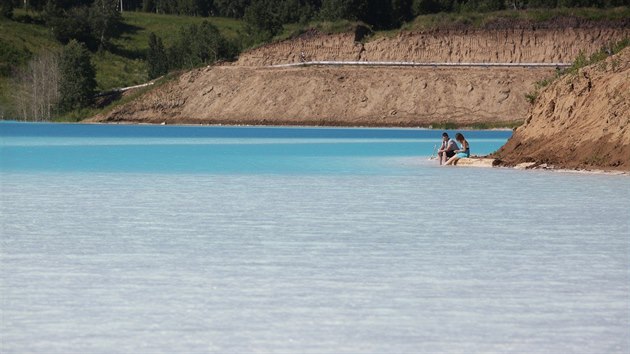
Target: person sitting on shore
pixel 460 153
pixel 447 149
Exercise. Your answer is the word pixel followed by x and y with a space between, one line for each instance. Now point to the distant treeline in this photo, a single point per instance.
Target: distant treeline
pixel 94 22
pixel 378 13
pixel 195 45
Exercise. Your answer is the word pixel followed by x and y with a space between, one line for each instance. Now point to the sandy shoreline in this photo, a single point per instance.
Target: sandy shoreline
pixel 475 161
pixel 486 162
pixel 464 128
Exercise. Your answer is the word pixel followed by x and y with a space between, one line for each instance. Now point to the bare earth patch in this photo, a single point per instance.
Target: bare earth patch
pixel 581 121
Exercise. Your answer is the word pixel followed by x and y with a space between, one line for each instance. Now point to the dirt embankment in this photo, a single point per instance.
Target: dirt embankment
pixel 580 121
pixel 515 45
pixel 335 96
pixel 249 92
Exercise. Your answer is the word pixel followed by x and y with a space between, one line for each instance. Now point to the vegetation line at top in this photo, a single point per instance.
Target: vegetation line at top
pixel 580 61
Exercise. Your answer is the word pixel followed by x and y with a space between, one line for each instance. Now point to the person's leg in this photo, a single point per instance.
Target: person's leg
pixel 448 155
pixel 452 160
pixel 441 157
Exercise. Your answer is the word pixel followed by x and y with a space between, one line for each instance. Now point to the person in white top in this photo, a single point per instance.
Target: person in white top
pixel 447 149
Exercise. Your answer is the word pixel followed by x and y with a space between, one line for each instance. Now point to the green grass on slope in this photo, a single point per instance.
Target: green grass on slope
pixel 482 19
pixel 27 37
pixel 18 43
pixel 125 65
pixel 114 71
pixel 463 19
pixel 140 24
pixel 580 62
pixel 122 65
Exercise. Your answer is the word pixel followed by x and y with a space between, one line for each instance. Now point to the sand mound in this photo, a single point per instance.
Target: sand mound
pixel 249 92
pixel 336 96
pixel 580 121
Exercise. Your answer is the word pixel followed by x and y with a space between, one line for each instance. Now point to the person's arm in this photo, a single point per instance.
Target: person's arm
pixel 456 146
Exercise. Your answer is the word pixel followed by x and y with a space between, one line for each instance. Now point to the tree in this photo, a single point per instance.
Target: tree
pixel 148 5
pixel 491 5
pixel 483 5
pixel 294 11
pixel 262 21
pixel 70 24
pixel 77 77
pixel 105 21
pixel 422 7
pixel 198 45
pixel 36 88
pixel 401 11
pixel 156 57
pixel 378 14
pixel 333 10
pixel 231 8
pixel 6 8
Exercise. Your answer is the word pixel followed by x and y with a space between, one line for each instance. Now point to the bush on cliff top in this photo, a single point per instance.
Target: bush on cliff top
pixel 580 61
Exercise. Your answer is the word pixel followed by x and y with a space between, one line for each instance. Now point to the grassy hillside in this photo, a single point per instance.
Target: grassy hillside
pixel 18 42
pixel 123 65
pixel 475 20
pixel 511 17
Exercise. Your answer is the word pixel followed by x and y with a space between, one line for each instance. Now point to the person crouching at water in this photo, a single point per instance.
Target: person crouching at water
pixel 447 149
pixel 460 153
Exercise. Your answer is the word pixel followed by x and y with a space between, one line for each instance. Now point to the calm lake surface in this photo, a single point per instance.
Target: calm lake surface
pixel 130 239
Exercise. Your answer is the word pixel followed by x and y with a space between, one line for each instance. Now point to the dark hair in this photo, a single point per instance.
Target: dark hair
pixel 445 135
pixel 459 137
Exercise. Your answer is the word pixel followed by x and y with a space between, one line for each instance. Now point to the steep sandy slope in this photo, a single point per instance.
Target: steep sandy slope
pixel 580 121
pixel 249 92
pixel 484 46
pixel 336 96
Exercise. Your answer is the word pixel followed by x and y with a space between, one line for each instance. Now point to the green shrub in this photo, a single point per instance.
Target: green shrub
pixel 199 45
pixel 580 61
pixel 6 8
pixel 78 82
pixel 543 83
pixel 157 61
pixel 444 125
pixel 608 50
pixel 261 21
pixel 532 96
pixel 11 57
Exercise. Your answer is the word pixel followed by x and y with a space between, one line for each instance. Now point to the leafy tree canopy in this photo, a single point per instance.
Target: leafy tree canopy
pixel 78 82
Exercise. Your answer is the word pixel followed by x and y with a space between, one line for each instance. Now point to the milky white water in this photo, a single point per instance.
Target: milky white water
pixel 136 242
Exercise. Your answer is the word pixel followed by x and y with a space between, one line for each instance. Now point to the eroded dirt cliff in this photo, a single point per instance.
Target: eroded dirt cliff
pixel 511 45
pixel 580 121
pixel 250 92
pixel 335 96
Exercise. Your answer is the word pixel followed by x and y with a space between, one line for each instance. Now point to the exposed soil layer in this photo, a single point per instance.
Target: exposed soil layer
pixel 581 121
pixel 347 96
pixel 503 45
pixel 249 92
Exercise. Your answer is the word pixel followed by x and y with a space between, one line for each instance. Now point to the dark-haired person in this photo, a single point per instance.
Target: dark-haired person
pixel 447 149
pixel 460 153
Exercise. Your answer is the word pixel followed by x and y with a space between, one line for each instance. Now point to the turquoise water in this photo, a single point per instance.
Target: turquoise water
pixel 231 240
pixel 221 150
